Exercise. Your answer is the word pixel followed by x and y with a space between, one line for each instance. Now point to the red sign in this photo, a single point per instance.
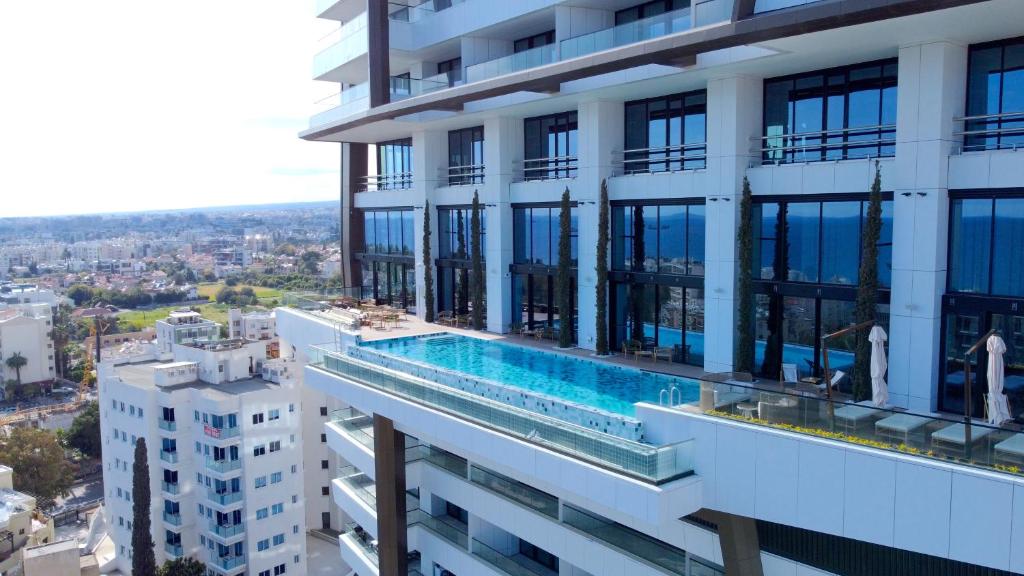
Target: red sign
pixel 211 431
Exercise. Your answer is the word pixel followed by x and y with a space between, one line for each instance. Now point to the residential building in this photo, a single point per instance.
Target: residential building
pixel 21 525
pixel 27 330
pixel 255 325
pixel 223 430
pixel 673 105
pixel 185 327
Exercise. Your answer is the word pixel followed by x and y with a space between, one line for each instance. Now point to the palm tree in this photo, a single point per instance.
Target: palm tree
pixel 16 362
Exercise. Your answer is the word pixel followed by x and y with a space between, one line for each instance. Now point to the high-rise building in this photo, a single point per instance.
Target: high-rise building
pixel 458 454
pixel 223 428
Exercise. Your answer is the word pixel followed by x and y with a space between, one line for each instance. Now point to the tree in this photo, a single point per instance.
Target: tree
pixel 867 290
pixel 80 294
pixel 16 362
pixel 182 567
pixel 428 267
pixel 476 282
pixel 143 558
pixel 744 360
pixel 771 367
pixel 84 434
pixel 310 262
pixel 601 296
pixel 38 462
pixel 563 279
pixel 636 299
pixel 460 252
pixel 225 295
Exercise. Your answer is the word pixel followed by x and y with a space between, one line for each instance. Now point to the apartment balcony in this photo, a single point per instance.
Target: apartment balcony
pixel 223 466
pixel 173 550
pixel 169 426
pixel 172 519
pixel 359 550
pixel 225 433
pixel 227 531
pixel 517 62
pixel 170 488
pixel 223 498
pixel 346 56
pixel 624 34
pixel 169 457
pixel 227 563
pixel 402 88
pixel 400 12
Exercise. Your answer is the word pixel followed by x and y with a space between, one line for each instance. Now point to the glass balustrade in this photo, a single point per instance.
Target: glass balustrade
pixel 351 43
pixel 357 425
pixel 623 34
pixel 524 60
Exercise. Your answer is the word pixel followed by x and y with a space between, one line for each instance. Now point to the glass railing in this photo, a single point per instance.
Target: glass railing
pixel 224 498
pixel 170 487
pixel 626 539
pixel 517 491
pixel 360 484
pixel 174 550
pixel 169 426
pixel 649 463
pixel 505 564
pixel 351 100
pixel 449 530
pixel 351 43
pixel 524 60
pixel 623 34
pixel 220 433
pixel 169 457
pixel 362 539
pixel 801 409
pixel 223 465
pixel 769 5
pixel 227 530
pixel 172 519
pixel 357 425
pixel 226 562
pixel 402 12
pixel 402 87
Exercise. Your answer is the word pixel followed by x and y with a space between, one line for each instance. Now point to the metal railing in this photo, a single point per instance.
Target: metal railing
pixel 463 175
pixel 626 539
pixel 690 156
pixel 226 562
pixel 931 436
pixel 654 464
pixel 629 33
pixel 840 144
pixel 169 457
pixel 504 563
pixel 549 168
pixel 516 62
pixel 451 532
pixel 376 182
pixel 517 491
pixel 174 550
pixel 1003 131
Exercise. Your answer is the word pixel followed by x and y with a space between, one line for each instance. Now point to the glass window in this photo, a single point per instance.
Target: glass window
pixel 542 39
pixel 666 133
pixel 455 232
pixel 672 241
pixel 466 156
pixel 1007 256
pixel 840 231
pixel 995 85
pixel 394 164
pixel 535 234
pixel 452 69
pixel 970 245
pixel 847 112
pixel 550 146
pixel 388 232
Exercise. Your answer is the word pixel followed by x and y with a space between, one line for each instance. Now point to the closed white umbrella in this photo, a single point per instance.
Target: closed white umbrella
pixel 998 406
pixel 879 389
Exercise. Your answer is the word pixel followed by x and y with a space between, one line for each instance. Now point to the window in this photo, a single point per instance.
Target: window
pixel 995 85
pixel 291 408
pixel 277 509
pixel 986 234
pixel 323 410
pixel 649 10
pixel 466 156
pixel 278 539
pixel 259 450
pixel 454 225
pixel 261 513
pixel 262 545
pixel 452 69
pixel 663 239
pixel 275 445
pixel 323 465
pixel 387 232
pixel 274 415
pixel 847 112
pixel 550 145
pixel 394 165
pixel 295 469
pixel 257 418
pixel 538 555
pixel 275 477
pixel 325 491
pixel 535 237
pixel 264 572
pixel 535 41
pixel 261 481
pixel 323 437
pixel 666 133
pixel 279 569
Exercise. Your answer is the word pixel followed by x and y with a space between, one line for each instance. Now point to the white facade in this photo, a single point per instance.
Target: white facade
pixel 184 327
pixel 224 438
pixel 256 325
pixel 26 329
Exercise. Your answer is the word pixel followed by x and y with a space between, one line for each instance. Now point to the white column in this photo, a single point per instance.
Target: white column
pixel 932 80
pixel 733 119
pixel 503 149
pixel 600 134
pixel 429 155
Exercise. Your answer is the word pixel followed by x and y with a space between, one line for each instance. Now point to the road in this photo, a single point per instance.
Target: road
pixel 82 493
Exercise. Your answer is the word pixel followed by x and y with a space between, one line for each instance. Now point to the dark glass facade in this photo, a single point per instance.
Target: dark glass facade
pixel 394 164
pixel 452 69
pixel 535 264
pixel 542 39
pixel 995 88
pixel 550 146
pixel 387 266
pixel 657 277
pixel 648 9
pixel 847 112
pixel 985 291
pixel 454 262
pixel 667 133
pixel 466 156
pixel 806 263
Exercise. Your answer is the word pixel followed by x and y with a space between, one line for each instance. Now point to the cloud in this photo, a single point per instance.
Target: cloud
pixel 128 105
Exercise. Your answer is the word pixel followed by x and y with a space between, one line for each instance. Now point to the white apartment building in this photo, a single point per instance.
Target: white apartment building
pixel 223 428
pixel 253 325
pixel 27 329
pixel 185 327
pixel 21 525
pixel 29 294
pixel 673 104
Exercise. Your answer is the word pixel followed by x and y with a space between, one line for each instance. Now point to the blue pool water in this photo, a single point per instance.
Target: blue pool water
pixel 610 388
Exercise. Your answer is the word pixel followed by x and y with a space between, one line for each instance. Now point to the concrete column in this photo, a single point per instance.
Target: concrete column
pixel 389 464
pixel 733 118
pixel 429 156
pixel 600 135
pixel 741 550
pixel 350 231
pixel 931 93
pixel 378 53
pixel 503 151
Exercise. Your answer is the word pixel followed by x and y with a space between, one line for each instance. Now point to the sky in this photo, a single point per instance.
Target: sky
pixel 126 105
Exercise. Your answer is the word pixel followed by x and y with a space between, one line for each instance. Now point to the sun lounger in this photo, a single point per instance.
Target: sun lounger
pixel 1011 450
pixel 953 438
pixel 853 416
pixel 899 427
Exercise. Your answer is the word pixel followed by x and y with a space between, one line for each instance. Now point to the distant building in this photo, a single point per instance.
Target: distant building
pixel 21 525
pixel 258 325
pixel 55 558
pixel 235 256
pixel 185 327
pixel 26 329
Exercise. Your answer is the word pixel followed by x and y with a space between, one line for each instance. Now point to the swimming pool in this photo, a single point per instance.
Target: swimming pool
pixel 577 380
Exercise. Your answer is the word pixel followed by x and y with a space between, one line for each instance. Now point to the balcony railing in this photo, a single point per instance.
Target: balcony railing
pixel 223 465
pixel 362 538
pixel 402 12
pixel 357 425
pixel 992 131
pixel 351 100
pixel 655 464
pixel 170 488
pixel 450 531
pixel 516 491
pixel 503 563
pixel 524 60
pixel 626 539
pixel 691 156
pixel 350 42
pixel 402 87
pixel 220 433
pixel 360 484
pixel 550 168
pixel 463 175
pixel 169 457
pixel 226 562
pixel 227 530
pixel 173 550
pixel 630 33
pixel 224 498
pixel 841 144
pixel 378 182
pixel 172 519
pixel 168 425
pixel 925 435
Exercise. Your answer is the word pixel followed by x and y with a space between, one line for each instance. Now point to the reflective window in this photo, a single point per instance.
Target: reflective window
pixel 847 112
pixel 995 89
pixel 985 253
pixel 550 146
pixel 537 40
pixel 648 10
pixel 452 69
pixel 394 164
pixel 535 234
pixel 666 239
pixel 388 232
pixel 466 156
pixel 455 232
pixel 666 133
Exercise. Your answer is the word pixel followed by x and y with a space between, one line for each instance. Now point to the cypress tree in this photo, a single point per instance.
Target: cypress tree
pixel 563 280
pixel 601 296
pixel 460 251
pixel 772 365
pixel 143 558
pixel 636 297
pixel 428 268
pixel 744 361
pixel 476 277
pixel 867 290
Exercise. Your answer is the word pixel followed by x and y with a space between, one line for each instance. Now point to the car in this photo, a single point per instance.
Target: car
pixel 65 390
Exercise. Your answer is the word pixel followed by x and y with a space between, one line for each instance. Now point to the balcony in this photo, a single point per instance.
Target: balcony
pixel 223 466
pixel 360 484
pixel 168 425
pixel 226 531
pixel 405 13
pixel 447 528
pixel 226 562
pixel 173 550
pixel 992 132
pixel 171 488
pixel 626 539
pixel 517 62
pixel 402 88
pixel 511 565
pixel 169 457
pixel 355 424
pixel 463 175
pixel 518 492
pixel 223 498
pixel 172 519
pixel 689 156
pixel 220 433
pixel 630 33
pixel 828 145
pixel 349 43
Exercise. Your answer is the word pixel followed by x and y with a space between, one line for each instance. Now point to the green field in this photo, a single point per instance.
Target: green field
pixel 134 320
pixel 209 290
